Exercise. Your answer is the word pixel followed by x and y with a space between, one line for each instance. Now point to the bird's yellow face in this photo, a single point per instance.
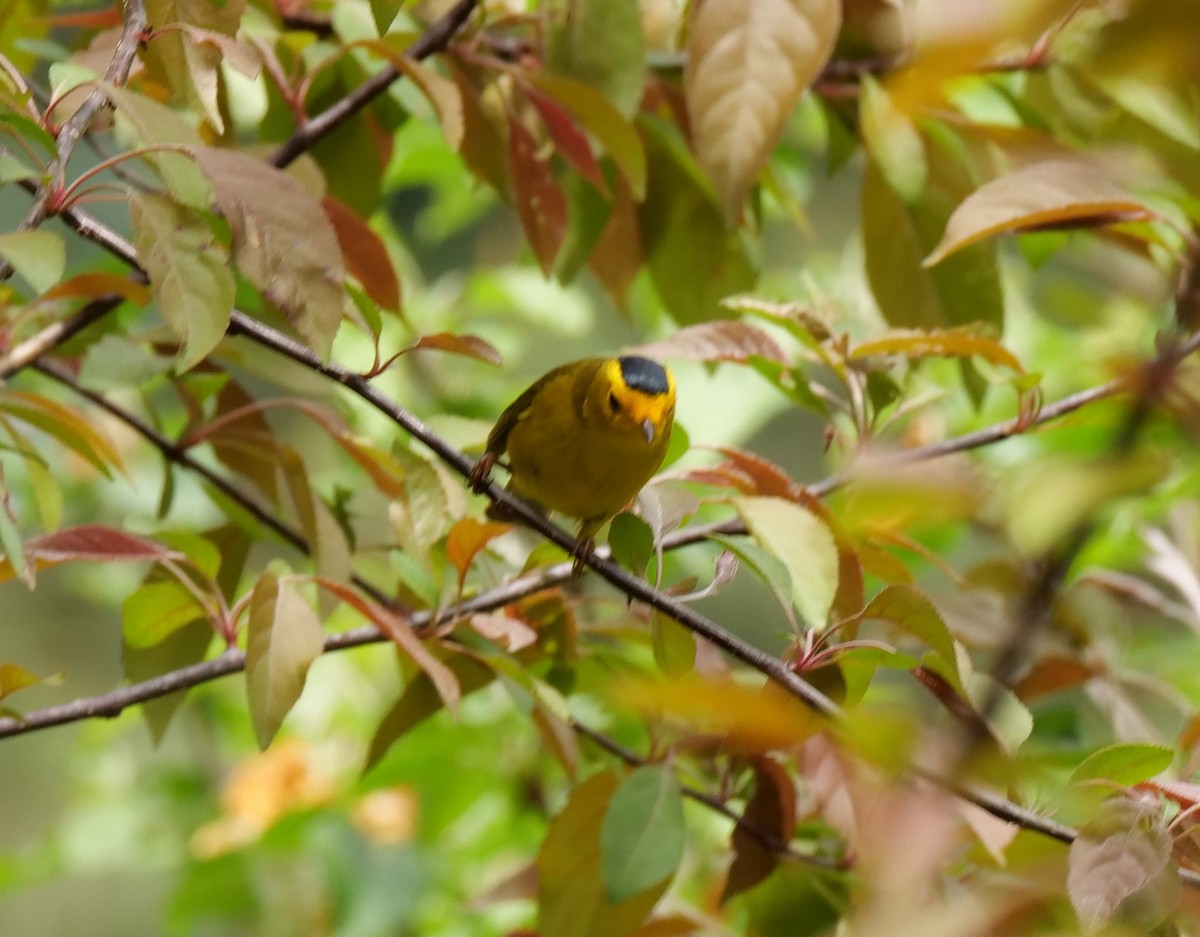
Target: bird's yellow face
pixel 638 397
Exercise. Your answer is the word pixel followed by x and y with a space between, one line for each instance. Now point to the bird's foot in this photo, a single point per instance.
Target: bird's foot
pixel 482 472
pixel 584 548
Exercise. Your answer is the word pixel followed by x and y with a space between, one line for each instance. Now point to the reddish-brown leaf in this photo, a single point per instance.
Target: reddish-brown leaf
pixel 91 285
pixel 617 256
pixel 466 538
pixel 366 257
pixel 97 543
pixel 570 141
pixel 1056 193
pixel 470 345
pixel 766 477
pixel 724 340
pixel 770 812
pixel 1051 675
pixel 541 204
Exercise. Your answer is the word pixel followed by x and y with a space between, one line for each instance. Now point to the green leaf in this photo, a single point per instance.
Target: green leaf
pixel 897 237
pixel 13 170
pixel 641 840
pixel 674 645
pixel 187 67
pixel 599 43
pixel 1052 499
pixel 39 256
pixel 156 610
pixel 892 141
pixel 189 270
pixel 11 543
pixel 64 424
pixel 911 611
pixel 266 210
pixel 693 260
pixel 571 898
pixel 67 76
pixel 805 546
pixel 283 639
pixel 1125 763
pixel 632 542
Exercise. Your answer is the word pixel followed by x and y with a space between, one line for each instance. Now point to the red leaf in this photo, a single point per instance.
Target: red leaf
pixel 470 345
pixel 767 477
pixel 569 139
pixel 540 202
pixel 94 542
pixel 366 257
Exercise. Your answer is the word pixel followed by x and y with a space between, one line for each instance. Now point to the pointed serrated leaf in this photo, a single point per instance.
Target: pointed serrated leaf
pixel 189 270
pixel 748 61
pixel 283 639
pixel 282 241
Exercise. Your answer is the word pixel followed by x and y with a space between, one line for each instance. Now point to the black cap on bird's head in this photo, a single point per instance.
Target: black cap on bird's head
pixel 645 375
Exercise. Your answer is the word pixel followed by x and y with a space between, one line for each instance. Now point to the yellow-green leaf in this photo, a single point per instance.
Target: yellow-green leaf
pixel 283 639
pixel 189 270
pixel 38 256
pixel 804 544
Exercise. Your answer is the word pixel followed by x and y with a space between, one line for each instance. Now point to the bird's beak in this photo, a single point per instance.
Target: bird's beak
pixel 648 429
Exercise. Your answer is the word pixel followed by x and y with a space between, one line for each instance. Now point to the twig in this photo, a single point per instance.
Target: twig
pixel 177 454
pixel 434 39
pixel 78 123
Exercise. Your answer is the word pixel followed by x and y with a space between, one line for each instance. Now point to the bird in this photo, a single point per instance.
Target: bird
pixel 582 440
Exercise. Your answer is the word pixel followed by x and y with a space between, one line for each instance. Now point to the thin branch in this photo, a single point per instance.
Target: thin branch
pixel 77 124
pixel 54 335
pixel 626 582
pixel 177 454
pixel 434 39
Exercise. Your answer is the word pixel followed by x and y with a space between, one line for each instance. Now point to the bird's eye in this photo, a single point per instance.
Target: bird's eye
pixel 614 403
